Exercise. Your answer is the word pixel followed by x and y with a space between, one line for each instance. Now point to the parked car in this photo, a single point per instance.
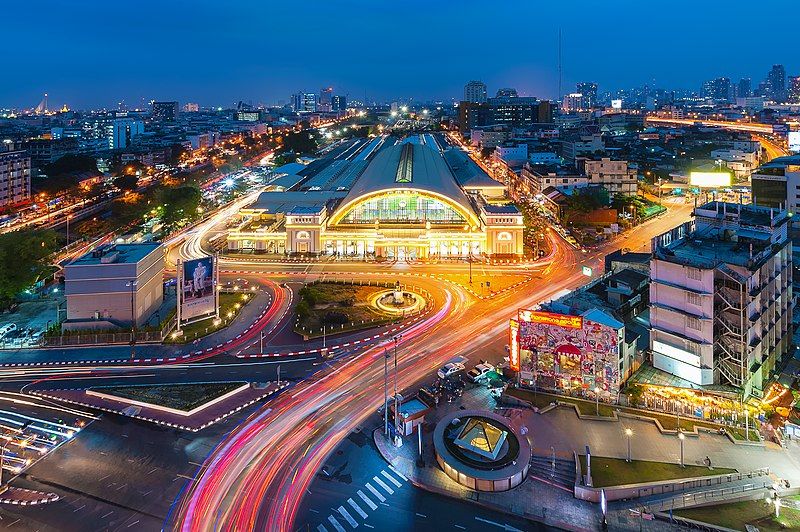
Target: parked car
pixel 5 329
pixel 480 371
pixel 449 369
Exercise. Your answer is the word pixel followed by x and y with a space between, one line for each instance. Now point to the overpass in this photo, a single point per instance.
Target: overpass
pixel 750 127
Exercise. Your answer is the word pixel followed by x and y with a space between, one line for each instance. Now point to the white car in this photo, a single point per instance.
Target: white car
pixel 450 368
pixel 480 371
pixel 5 329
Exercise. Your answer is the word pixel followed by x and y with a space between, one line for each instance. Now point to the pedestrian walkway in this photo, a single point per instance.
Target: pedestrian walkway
pixel 370 498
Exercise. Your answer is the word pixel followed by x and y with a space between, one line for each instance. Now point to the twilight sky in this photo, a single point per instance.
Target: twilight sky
pixel 92 53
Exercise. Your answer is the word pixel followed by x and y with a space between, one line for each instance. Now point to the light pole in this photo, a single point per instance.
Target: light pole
pixel 385 392
pixel 597 399
pixel 629 433
pixel 470 267
pixel 132 284
pixel 396 338
pixel 68 217
pixel 681 437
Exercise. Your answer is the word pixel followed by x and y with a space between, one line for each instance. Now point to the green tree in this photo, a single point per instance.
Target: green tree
pixel 127 182
pixel 301 142
pixel 70 164
pixel 179 205
pixel 23 259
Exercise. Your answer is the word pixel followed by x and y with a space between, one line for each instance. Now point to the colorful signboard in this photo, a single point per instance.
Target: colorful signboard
pixel 710 179
pixel 197 289
pixel 513 345
pixel 565 352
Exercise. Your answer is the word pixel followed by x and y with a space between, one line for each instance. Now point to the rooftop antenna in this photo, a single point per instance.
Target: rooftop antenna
pixel 558 96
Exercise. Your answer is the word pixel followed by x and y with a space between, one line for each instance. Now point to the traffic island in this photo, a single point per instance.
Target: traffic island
pixel 23 497
pixel 190 407
pixel 760 513
pixel 231 305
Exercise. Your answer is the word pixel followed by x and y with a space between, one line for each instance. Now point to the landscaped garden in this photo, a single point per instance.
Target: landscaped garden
pixel 759 513
pixel 185 397
pixel 616 471
pixel 333 307
pixel 230 305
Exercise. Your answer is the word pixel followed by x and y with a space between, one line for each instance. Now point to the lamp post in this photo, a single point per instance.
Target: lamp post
pixel 469 259
pixel 629 433
pixel 68 217
pixel 132 284
pixel 396 339
pixel 681 437
pixel 385 392
pixel 597 399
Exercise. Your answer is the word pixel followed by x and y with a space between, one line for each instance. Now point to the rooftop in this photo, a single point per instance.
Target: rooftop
pixel 123 253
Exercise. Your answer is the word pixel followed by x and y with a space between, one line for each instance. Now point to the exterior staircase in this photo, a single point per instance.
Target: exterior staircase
pixel 563 476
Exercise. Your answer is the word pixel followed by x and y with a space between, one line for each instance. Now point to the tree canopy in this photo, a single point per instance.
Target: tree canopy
pixel 126 182
pixel 23 258
pixel 301 142
pixel 179 204
pixel 70 164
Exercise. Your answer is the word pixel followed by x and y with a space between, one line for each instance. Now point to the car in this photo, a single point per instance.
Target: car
pixel 480 371
pixel 6 329
pixel 449 369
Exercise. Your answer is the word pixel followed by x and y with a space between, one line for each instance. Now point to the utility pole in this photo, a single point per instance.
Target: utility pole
pixel 261 343
pixel 132 284
pixel 396 338
pixel 470 267
pixel 385 392
pixel 279 374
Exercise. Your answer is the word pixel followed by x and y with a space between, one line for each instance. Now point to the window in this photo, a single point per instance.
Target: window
pixel 693 299
pixel 696 274
pixel 693 323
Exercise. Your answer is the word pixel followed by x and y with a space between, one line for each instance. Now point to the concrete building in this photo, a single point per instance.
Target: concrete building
pixel 325 100
pixel 489 136
pixel 386 197
pixel 589 91
pixel 122 131
pixel 535 178
pixel 777 184
pixel 339 103
pixel 164 111
pixel 617 177
pixel 721 297
pixel 475 92
pixel 15 177
pixel 583 143
pixel 511 153
pixel 113 286
pixel 740 162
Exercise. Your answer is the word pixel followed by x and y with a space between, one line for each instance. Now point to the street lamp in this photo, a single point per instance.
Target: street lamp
pixel 396 339
pixel 132 284
pixel 597 399
pixel 385 392
pixel 681 437
pixel 629 433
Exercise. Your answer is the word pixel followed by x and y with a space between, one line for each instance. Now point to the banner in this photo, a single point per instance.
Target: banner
pixel 197 289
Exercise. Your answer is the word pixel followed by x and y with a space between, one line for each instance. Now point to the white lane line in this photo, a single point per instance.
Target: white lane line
pixel 398 473
pixel 503 526
pixel 391 479
pixel 321 528
pixel 342 510
pixel 372 505
pixel 382 484
pixel 335 524
pixel 357 508
pixel 375 492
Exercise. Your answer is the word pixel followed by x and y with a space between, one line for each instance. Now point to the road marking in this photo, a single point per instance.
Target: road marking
pixel 398 473
pixel 342 510
pixel 421 515
pixel 368 525
pixel 322 528
pixel 130 525
pixel 109 513
pixel 375 492
pixel 357 508
pixel 503 526
pixel 382 484
pixel 76 509
pixel 461 527
pixel 372 505
pixel 391 479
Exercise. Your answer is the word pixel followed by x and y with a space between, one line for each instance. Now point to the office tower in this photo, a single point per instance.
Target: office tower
pixel 589 91
pixel 339 103
pixel 744 89
pixel 475 92
pixel 776 83
pixel 794 90
pixel 718 89
pixel 325 100
pixel 164 111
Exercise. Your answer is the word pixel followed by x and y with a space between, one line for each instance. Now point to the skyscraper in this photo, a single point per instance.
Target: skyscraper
pixel 164 111
pixel 589 91
pixel 325 99
pixel 475 92
pixel 776 83
pixel 339 103
pixel 718 89
pixel 794 89
pixel 744 90
pixel 507 93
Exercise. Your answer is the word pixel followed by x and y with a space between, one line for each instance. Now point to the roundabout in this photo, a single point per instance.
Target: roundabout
pixel 480 450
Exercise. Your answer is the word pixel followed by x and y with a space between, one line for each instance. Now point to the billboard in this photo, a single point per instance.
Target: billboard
pixel 513 345
pixel 567 353
pixel 197 288
pixel 710 179
pixel 616 104
pixel 794 141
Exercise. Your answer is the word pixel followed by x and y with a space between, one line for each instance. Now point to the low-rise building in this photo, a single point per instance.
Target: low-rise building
pixel 617 177
pixel 114 286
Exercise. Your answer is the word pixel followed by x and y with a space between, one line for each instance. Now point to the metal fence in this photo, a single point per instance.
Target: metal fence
pixel 109 338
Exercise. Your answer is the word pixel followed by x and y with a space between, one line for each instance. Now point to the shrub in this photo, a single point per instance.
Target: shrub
pixel 334 317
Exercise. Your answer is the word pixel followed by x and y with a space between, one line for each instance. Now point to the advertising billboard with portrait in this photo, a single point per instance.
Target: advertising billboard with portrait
pixel 567 353
pixel 198 297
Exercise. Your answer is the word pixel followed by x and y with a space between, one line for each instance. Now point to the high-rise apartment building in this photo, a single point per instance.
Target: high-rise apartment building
pixel 721 296
pixel 475 92
pixel 15 177
pixel 191 107
pixel 589 91
pixel 164 111
pixel 305 102
pixel 794 90
pixel 776 83
pixel 339 103
pixel 325 100
pixel 744 89
pixel 718 89
pixel 121 131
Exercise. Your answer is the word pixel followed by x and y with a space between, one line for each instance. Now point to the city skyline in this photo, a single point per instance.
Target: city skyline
pixel 165 57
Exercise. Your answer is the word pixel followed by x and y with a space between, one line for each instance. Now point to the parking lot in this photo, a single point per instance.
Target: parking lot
pixel 28 321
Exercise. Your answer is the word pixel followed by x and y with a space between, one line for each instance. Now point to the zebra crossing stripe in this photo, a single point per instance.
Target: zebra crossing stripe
pixel 342 510
pixel 321 528
pixel 372 505
pixel 398 473
pixel 335 524
pixel 357 508
pixel 375 492
pixel 382 484
pixel 390 478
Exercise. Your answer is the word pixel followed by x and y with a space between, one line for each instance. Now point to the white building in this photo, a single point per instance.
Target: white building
pixel 114 285
pixel 741 162
pixel 721 296
pixel 475 92
pixel 777 184
pixel 509 154
pixel 615 176
pixel 489 137
pixel 544 157
pixel 122 131
pixel 15 177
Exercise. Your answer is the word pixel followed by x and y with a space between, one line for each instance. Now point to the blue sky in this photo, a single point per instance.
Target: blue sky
pixel 96 52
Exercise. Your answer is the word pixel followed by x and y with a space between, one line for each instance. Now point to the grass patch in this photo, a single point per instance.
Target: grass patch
pixel 228 312
pixel 339 306
pixel 184 397
pixel 758 513
pixel 668 421
pixel 616 471
pixel 497 281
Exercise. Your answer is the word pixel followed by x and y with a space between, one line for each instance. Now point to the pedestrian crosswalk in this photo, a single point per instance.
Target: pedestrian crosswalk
pixel 377 489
